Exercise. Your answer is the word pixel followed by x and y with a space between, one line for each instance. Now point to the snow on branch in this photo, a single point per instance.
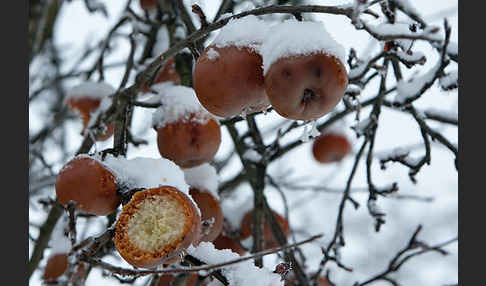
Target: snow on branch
pixel 449 81
pixel 408 91
pixel 387 32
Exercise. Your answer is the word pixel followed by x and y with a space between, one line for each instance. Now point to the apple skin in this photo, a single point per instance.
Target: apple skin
pixel 86 105
pixel 269 241
pixel 89 184
pixel 210 208
pixel 226 242
pixel 330 147
pixel 189 143
pixel 56 266
pixel 230 83
pixel 148 4
pixel 306 87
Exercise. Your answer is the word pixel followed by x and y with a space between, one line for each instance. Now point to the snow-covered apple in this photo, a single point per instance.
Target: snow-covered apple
pixel 228 76
pixel 86 98
pixel 305 77
pixel 186 133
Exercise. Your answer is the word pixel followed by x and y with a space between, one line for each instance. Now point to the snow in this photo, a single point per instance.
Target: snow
pixel 353 89
pixel 138 27
pixel 405 44
pixel 294 38
pixel 178 102
pixel 452 48
pixel 358 70
pixel 413 161
pixel 405 4
pixel 162 43
pixel 60 243
pixel 91 89
pixel 240 274
pixel 374 208
pixel 215 283
pixel 234 211
pixel 247 242
pixel 252 156
pixel 200 3
pixel 248 31
pixel 145 172
pixel 212 54
pixel 104 105
pixel 443 113
pixel 243 6
pixel 394 153
pixel 449 80
pixel 402 29
pixel 308 134
pixel 413 57
pixel 225 15
pixel 337 127
pixel 314 131
pixel 409 89
pixel 391 29
pixel 180 32
pixel 203 177
pixel 361 126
